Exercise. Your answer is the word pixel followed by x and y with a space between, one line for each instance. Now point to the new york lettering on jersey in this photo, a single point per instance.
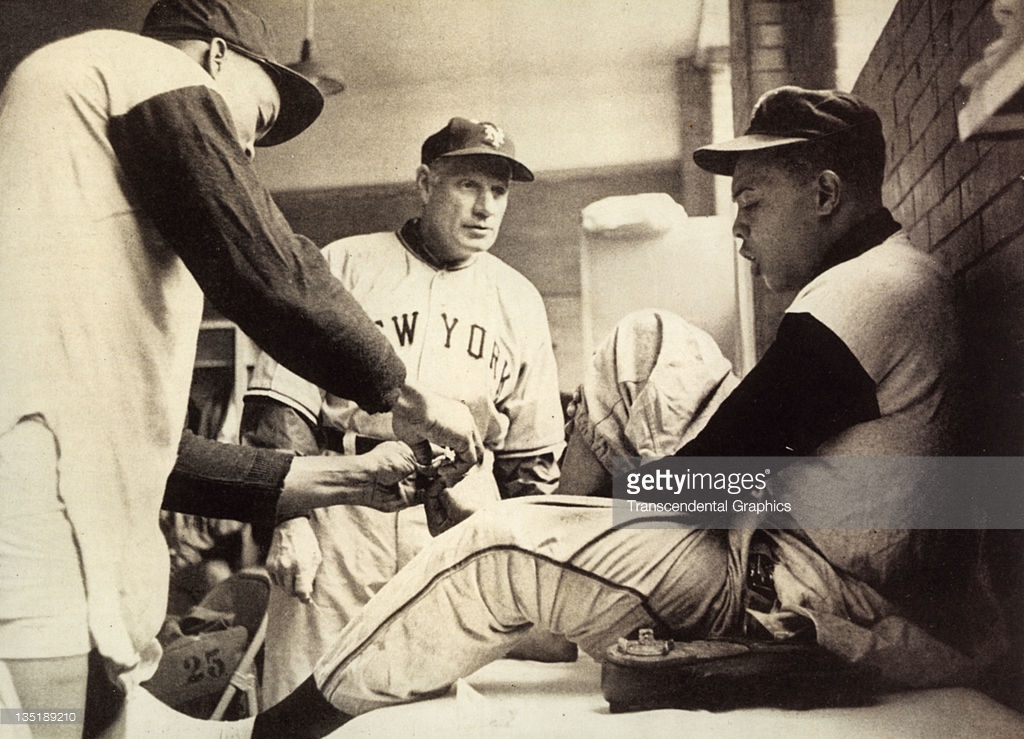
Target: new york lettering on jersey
pixel 474 341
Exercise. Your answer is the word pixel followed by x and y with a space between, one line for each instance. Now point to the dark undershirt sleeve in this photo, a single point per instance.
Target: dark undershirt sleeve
pixel 226 480
pixel 270 424
pixel 531 475
pixel 181 161
pixel 807 388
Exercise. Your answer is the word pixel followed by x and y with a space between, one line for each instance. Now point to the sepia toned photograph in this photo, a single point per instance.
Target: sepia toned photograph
pixel 511 368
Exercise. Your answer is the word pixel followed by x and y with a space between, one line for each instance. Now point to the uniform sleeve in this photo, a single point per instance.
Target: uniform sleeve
pixel 895 309
pixel 879 309
pixel 807 388
pixel 181 160
pixel 527 461
pixel 226 481
pixel 269 424
pixel 536 474
pixel 272 380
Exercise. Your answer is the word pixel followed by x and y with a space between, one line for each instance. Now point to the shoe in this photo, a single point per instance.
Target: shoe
pixel 723 674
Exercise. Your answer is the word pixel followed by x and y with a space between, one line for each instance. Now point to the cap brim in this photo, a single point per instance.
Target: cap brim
pixel 721 158
pixel 301 102
pixel 520 172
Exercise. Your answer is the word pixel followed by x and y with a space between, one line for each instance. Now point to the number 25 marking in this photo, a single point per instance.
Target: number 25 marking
pixel 211 666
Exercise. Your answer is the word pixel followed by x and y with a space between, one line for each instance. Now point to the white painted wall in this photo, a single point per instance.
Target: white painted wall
pixel 858 25
pixel 577 83
pixel 558 120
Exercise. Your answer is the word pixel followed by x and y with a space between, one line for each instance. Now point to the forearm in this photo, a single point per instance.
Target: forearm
pixel 319 482
pixel 262 486
pixel 226 481
pixel 271 424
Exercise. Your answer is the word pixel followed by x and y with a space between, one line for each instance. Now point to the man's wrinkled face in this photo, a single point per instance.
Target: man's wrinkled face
pixel 251 96
pixel 777 222
pixel 464 200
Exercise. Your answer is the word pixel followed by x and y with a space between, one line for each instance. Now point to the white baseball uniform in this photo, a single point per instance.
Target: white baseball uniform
pixel 478 333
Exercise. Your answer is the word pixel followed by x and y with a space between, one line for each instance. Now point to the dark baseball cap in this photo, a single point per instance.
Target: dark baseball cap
pixel 247 34
pixel 462 137
pixel 791 115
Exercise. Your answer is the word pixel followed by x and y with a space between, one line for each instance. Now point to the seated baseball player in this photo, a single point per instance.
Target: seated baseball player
pixel 863 364
pixel 467 326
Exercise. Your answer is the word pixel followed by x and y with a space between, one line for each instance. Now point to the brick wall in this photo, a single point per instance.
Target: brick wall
pixel 964 202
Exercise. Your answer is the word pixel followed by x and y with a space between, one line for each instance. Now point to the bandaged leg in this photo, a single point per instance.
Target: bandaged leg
pixel 553 561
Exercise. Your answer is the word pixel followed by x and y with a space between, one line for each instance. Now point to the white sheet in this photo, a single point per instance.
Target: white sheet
pixel 531 699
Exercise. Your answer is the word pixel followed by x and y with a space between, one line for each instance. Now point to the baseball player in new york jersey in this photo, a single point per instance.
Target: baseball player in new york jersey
pixel 466 325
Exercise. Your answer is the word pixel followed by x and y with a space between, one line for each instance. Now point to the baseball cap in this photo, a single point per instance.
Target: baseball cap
pixel 463 136
pixel 790 115
pixel 247 34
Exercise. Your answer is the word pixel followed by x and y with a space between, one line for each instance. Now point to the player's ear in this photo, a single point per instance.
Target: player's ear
pixel 215 55
pixel 423 182
pixel 830 189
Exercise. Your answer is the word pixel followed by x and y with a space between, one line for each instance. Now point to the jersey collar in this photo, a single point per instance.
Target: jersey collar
pixel 864 235
pixel 412 239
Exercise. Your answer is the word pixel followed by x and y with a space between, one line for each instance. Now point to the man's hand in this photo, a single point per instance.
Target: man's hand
pixel 574 403
pixel 294 558
pixel 340 479
pixel 391 462
pixel 419 414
